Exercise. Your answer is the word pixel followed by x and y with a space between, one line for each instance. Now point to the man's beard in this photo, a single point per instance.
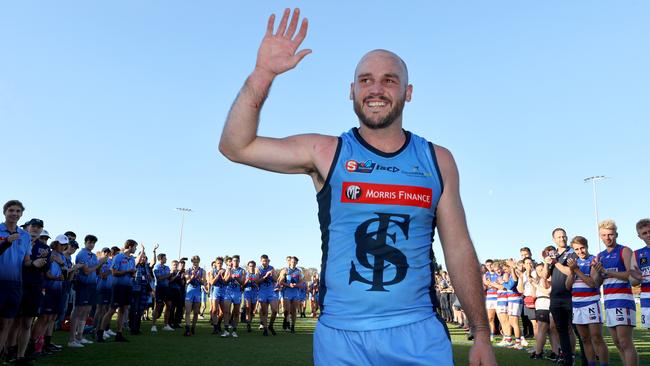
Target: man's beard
pixel 385 122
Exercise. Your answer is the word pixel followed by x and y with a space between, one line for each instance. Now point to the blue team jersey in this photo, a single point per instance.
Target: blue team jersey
pixel 642 257
pixel 122 263
pixel 161 270
pixel 11 261
pixel 88 258
pixel 377 216
pixel 267 283
pixel 236 275
pixel 196 282
pixel 616 293
pixel 252 284
pixel 33 276
pixel 105 283
pixel 55 270
pixel 293 275
pixel 581 294
pixel 217 281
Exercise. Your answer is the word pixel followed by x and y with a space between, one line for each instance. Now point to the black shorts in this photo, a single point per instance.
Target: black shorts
pixel 162 294
pixel 52 303
pixel 121 295
pixel 84 294
pixel 104 296
pixel 31 301
pixel 543 316
pixel 11 292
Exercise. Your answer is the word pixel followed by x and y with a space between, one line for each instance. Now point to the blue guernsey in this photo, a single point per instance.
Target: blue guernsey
pixel 161 270
pixel 121 262
pixel 11 261
pixel 88 258
pixel 377 218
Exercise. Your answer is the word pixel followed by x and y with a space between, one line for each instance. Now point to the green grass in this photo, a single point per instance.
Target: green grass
pixel 168 348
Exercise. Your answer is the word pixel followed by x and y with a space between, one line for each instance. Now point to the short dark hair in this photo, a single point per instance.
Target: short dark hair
pixel 13 203
pixel 489 261
pixel 161 256
pixel 236 256
pixel 70 233
pixel 264 256
pixel 218 259
pixel 556 230
pixel 295 258
pixel 130 243
pixel 252 262
pixel 527 249
pixel 91 238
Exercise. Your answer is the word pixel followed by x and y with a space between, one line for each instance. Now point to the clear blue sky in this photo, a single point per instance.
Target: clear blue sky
pixel 110 114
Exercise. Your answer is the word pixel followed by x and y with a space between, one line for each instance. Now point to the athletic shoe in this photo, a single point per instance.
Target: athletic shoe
pixel 261 327
pixel 536 356
pixel 110 333
pixel 154 329
pixel 248 327
pixel 293 328
pixel 504 343
pixel 85 341
pixel 75 344
pixel 52 348
pixel 517 346
pixel 524 342
pixel 225 334
pixel 491 337
pixel 168 328
pixel 201 317
pixel 234 334
pixel 272 330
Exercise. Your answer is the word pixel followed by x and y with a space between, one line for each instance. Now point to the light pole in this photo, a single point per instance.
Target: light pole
pixel 593 181
pixel 183 211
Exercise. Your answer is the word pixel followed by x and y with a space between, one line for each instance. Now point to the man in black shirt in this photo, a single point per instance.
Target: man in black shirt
pixel 555 266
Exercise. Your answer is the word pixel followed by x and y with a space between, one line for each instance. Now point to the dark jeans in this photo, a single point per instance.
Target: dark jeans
pixel 178 306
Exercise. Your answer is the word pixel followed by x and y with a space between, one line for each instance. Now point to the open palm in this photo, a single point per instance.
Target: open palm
pixel 277 52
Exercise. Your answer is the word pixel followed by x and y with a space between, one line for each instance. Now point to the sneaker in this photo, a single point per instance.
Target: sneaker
pixel 536 356
pixel 504 343
pixel 234 334
pixel 110 333
pixel 51 348
pixel 524 342
pixel 261 327
pixel 75 344
pixel 154 329
pixel 55 347
pixel 168 328
pixel 491 337
pixel 85 341
pixel 201 317
pixel 225 334
pixel 517 346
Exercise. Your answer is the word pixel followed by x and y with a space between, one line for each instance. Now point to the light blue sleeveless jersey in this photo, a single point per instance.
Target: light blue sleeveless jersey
pixel 377 218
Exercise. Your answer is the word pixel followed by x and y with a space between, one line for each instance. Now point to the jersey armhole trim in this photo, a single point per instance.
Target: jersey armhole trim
pixel 332 167
pixel 435 163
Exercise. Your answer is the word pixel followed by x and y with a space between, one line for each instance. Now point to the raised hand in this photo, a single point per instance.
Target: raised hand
pixel 277 52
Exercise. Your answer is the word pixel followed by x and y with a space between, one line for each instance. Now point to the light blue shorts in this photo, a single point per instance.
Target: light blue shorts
pixel 422 343
pixel 193 295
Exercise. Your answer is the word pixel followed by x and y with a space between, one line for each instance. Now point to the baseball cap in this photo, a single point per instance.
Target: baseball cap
pixel 62 239
pixel 37 222
pixel 44 233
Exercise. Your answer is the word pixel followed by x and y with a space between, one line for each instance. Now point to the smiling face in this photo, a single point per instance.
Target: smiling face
pixel 380 89
pixel 644 234
pixel 13 214
pixel 608 237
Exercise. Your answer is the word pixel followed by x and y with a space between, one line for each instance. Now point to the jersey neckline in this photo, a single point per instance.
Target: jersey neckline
pixel 374 150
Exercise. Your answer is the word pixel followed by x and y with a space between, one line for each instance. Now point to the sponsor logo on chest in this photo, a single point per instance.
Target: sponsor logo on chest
pixel 386 194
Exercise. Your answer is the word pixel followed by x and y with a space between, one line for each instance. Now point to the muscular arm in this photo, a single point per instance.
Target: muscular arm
pixel 459 252
pixel 627 259
pixel 240 143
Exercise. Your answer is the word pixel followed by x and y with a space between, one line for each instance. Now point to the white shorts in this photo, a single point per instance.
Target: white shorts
pixel 620 316
pixel 590 314
pixel 645 317
pixel 514 308
pixel 491 303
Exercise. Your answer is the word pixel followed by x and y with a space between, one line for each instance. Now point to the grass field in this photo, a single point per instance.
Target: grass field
pixel 171 348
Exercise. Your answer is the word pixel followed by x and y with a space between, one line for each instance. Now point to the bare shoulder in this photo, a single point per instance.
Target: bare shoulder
pixel 446 163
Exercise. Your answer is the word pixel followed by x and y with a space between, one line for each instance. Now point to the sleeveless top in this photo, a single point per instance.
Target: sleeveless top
pixel 581 294
pixel 293 275
pixel 267 283
pixel 617 293
pixel 642 257
pixel 377 214
pixel 235 275
pixel 195 283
